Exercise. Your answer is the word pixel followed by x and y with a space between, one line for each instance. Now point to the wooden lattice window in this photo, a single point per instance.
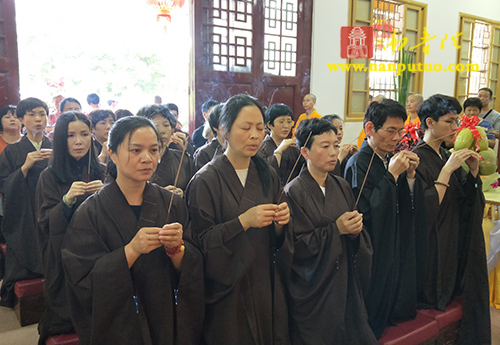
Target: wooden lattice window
pixel 252 46
pixel 479 46
pixel 404 18
pixel 227 26
pixel 280 37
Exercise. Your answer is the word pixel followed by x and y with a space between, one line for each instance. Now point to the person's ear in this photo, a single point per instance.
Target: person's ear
pixel 429 122
pixel 305 152
pixel 369 129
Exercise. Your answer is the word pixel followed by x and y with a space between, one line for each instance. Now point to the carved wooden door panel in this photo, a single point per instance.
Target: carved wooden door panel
pixel 9 64
pixel 262 48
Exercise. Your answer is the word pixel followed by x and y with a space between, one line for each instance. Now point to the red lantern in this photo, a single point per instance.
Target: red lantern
pixel 165 7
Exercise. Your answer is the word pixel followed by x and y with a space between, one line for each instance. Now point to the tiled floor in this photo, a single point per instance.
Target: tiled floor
pixel 12 334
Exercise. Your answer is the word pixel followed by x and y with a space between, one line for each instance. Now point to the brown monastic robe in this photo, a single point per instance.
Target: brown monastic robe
pixel 330 272
pixel 244 292
pixel 167 169
pixel 19 225
pixel 454 249
pixel 101 287
pixel 288 159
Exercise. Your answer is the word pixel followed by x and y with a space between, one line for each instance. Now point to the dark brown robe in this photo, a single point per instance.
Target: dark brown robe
pixel 389 213
pixel 19 224
pixel 101 287
pixel 330 272
pixel 167 169
pixel 206 153
pixel 340 167
pixel 53 218
pixel 454 250
pixel 288 159
pixel 244 293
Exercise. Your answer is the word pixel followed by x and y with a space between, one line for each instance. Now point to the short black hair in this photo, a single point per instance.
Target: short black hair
pixel 277 110
pixel 332 117
pixel 453 101
pixel 314 126
pixel 172 106
pixel 68 100
pixel 151 111
pixel 4 111
pixel 473 102
pixel 378 112
pixel 214 118
pixel 93 98
pixel 435 107
pixel 486 89
pixel 123 113
pixel 100 115
pixel 28 104
pixel 208 104
pixel 111 101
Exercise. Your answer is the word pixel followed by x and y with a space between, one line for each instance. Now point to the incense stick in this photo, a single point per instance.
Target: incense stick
pixel 364 180
pixel 291 172
pixel 175 182
pixel 90 151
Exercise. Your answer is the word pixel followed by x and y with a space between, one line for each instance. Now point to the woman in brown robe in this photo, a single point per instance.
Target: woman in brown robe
pixel 243 233
pixel 280 152
pixel 62 187
pixel 332 250
pixel 123 263
pixel 168 165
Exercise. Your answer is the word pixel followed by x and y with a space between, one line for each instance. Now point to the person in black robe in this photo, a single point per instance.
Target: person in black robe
pixel 241 226
pixel 198 139
pixel 214 148
pixel 168 166
pixel 62 187
pixel 20 166
pixel 102 120
pixel 280 152
pixel 174 110
pixel 346 151
pixel 332 252
pixel 454 249
pixel 387 202
pixel 123 264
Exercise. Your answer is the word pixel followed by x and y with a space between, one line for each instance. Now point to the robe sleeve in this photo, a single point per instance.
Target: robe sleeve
pixel 98 279
pixel 52 222
pixel 312 243
pixel 227 250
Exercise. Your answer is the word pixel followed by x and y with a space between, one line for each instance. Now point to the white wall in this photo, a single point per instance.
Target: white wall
pixel 442 18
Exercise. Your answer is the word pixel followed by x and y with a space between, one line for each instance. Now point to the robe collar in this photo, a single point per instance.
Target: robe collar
pixel 121 212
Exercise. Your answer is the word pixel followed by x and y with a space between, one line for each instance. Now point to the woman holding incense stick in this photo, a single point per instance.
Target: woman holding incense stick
pixel 453 251
pixel 123 263
pixel 332 250
pixel 62 187
pixel 243 233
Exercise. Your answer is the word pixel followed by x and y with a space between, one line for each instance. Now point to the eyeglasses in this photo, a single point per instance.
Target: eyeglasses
pixel 392 131
pixel 454 124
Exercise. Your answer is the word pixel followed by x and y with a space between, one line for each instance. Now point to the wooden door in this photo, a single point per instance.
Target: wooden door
pixel 261 47
pixel 9 64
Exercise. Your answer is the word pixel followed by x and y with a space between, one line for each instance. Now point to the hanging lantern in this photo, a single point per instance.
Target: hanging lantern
pixel 164 9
